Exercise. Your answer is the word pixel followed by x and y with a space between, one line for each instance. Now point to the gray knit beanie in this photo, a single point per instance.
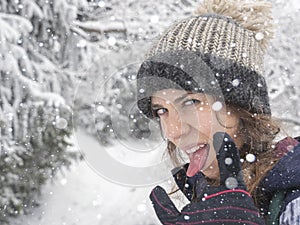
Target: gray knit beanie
pixel 219 51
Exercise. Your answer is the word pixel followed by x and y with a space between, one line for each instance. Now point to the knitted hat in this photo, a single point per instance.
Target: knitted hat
pixel 219 52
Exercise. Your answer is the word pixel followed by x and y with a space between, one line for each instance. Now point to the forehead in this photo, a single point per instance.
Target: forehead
pixel 172 95
pixel 169 93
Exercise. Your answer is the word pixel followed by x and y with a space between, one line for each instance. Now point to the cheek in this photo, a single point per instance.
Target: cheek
pixel 225 121
pixel 202 120
pixel 231 119
pixel 163 127
pixel 209 122
pixel 211 155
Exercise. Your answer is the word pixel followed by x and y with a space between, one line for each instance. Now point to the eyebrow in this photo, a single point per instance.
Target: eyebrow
pixel 177 100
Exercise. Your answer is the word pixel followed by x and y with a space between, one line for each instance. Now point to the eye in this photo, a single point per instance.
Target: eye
pixel 159 112
pixel 191 102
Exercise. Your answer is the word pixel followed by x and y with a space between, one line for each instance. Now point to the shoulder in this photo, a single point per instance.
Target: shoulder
pixel 291 209
pixel 283 177
pixel 285 173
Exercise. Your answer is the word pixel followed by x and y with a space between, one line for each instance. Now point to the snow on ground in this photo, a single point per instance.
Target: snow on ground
pixel 82 196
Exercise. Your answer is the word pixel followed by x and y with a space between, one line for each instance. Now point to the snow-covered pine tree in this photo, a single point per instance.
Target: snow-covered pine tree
pixel 283 65
pixel 37 54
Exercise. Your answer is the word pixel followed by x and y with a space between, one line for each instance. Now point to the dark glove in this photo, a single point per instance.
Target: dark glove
pixel 228 203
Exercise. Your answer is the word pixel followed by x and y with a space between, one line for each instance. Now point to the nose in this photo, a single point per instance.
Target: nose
pixel 175 126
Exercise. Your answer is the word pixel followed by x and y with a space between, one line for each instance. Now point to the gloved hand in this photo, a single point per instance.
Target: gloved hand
pixel 228 203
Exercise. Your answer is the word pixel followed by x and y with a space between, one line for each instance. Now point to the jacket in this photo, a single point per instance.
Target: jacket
pixel 282 181
pixel 283 178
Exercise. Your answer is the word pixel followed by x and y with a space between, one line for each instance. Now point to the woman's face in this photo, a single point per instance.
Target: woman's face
pixel 189 120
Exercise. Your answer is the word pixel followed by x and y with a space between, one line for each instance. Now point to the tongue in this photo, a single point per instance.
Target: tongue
pixel 197 160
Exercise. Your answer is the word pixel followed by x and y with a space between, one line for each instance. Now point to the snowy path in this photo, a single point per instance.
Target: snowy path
pixel 80 196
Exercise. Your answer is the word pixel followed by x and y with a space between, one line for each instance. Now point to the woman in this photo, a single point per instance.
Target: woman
pixel 203 81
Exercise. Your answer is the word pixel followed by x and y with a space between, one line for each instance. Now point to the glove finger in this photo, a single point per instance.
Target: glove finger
pixel 229 161
pixel 165 209
pixel 191 187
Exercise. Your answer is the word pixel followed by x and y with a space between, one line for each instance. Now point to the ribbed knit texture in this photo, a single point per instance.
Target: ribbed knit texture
pixel 216 35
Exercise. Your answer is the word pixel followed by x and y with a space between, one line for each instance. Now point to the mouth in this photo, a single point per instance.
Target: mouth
pixel 198 156
pixel 195 148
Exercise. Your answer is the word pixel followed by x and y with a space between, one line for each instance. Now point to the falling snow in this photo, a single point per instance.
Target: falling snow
pixel 236 82
pixel 250 158
pixel 61 123
pixel 73 61
pixel 259 36
pixel 217 106
pixel 231 182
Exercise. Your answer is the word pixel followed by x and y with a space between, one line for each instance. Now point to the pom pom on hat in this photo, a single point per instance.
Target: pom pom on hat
pixel 253 15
